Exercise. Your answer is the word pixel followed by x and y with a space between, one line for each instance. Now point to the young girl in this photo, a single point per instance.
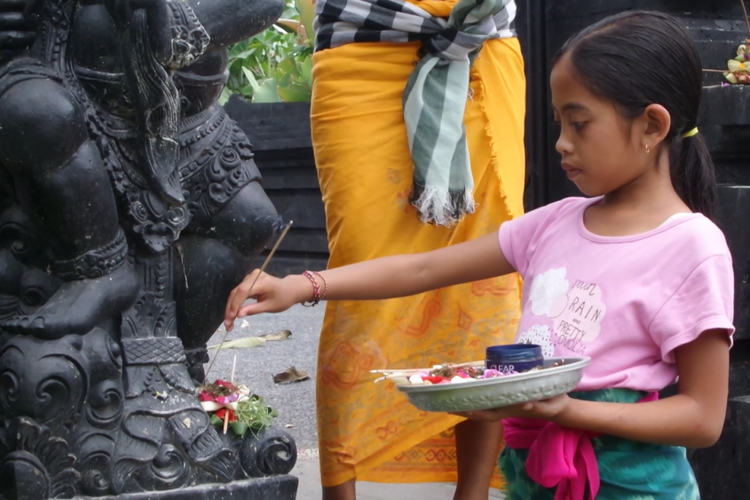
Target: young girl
pixel 636 276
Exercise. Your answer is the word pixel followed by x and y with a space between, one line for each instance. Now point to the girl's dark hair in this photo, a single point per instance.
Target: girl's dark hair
pixel 639 58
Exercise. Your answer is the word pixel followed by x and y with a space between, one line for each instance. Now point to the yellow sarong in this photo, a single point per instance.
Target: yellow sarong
pixel 369 431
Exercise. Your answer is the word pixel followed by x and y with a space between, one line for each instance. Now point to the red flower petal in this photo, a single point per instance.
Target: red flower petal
pixel 436 379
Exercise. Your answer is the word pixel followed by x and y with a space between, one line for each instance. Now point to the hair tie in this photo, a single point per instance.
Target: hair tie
pixel 690 133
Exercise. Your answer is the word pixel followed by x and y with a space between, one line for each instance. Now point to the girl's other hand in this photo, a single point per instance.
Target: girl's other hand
pixel 271 295
pixel 549 409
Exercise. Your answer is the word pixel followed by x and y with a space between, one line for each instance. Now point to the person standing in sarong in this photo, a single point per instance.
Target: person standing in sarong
pixel 418 125
pixel 388 189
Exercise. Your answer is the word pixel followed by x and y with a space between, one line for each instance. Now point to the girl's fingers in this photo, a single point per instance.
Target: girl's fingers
pixel 242 292
pixel 229 314
pixel 236 298
pixel 252 309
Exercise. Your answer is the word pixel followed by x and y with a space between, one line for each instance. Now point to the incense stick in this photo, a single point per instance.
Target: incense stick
pixel 747 21
pixel 390 376
pixel 262 269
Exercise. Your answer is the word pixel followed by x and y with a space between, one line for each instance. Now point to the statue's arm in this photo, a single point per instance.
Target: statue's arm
pixel 197 27
pixel 230 21
pixel 187 23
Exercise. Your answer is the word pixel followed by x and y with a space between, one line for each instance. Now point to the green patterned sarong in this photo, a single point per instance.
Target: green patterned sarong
pixel 629 470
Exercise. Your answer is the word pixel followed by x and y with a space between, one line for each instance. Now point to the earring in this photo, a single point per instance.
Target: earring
pixel 648 150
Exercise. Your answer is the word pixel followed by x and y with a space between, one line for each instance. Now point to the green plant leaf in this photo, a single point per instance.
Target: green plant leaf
pixel 306 70
pixel 245 54
pixel 247 91
pixel 289 66
pixel 294 93
pixel 267 92
pixel 290 11
pixel 254 413
pixel 250 78
pixel 279 57
pixel 225 95
pixel 306 9
pixel 239 428
pixel 283 79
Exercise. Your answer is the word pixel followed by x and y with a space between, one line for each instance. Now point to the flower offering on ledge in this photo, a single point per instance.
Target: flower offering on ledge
pixel 233 406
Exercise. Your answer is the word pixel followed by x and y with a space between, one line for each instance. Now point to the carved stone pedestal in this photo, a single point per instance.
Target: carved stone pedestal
pixel 281 488
pixel 88 415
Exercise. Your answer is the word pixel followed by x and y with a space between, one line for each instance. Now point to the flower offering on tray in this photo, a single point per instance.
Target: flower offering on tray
pixel 450 374
pixel 471 386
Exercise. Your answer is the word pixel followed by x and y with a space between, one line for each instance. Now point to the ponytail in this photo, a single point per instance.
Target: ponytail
pixel 693 174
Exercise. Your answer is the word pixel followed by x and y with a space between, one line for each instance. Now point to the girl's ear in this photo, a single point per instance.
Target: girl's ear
pixel 654 124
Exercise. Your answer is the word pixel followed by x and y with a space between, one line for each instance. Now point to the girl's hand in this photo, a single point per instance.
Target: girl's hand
pixel 549 409
pixel 272 295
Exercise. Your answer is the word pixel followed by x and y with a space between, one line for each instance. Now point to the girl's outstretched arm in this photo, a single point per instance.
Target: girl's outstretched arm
pixel 694 418
pixel 383 278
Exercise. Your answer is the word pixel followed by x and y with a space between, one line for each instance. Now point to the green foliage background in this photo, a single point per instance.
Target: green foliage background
pixel 276 64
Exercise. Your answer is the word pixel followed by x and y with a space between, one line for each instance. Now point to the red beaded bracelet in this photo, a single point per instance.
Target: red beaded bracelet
pixel 325 284
pixel 316 290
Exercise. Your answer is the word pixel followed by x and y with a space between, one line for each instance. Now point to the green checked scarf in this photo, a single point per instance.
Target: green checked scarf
pixel 434 105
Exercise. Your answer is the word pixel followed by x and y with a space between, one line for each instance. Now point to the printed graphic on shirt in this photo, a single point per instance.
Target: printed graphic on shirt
pixel 577 312
pixel 548 291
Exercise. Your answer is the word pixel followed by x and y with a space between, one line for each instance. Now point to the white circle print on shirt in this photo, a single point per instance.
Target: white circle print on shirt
pixel 549 293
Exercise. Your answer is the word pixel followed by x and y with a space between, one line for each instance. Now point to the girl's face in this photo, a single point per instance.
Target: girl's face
pixel 601 150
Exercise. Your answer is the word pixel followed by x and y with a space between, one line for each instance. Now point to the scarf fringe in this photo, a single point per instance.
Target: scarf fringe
pixel 440 207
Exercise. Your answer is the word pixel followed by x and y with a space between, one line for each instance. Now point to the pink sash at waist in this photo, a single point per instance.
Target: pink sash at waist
pixel 558 456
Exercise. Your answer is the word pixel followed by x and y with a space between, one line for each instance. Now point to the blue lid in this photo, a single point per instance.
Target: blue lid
pixel 514 352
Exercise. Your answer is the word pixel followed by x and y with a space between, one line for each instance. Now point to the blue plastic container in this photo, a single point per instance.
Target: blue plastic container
pixel 514 357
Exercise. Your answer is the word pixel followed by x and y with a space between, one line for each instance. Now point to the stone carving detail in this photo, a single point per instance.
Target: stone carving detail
pixel 130 206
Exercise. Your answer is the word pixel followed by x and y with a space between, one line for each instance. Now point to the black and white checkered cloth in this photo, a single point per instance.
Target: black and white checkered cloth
pixel 339 22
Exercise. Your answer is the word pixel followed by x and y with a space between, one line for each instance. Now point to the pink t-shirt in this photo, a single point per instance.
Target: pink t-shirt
pixel 626 302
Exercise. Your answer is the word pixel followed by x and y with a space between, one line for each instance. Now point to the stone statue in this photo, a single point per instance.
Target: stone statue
pixel 130 206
